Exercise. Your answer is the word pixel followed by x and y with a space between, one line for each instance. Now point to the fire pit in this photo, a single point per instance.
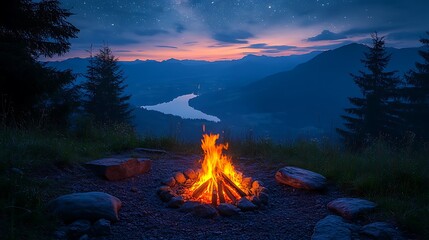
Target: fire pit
pixel 217 184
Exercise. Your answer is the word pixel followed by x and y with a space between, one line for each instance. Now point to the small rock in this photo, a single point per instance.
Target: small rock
pixel 180 177
pixel 333 227
pixel 226 209
pixel 101 228
pixel 166 196
pixel 189 206
pixel 245 205
pixel 256 184
pixel 264 198
pixel 90 206
pixel 190 173
pixel 205 211
pixel 175 202
pixel 169 182
pixel 134 189
pixel 79 228
pixel 381 230
pixel 301 178
pixel 350 208
pixel 162 189
pixel 61 233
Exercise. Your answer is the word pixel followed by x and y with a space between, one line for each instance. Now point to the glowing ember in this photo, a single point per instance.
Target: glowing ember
pixel 218 181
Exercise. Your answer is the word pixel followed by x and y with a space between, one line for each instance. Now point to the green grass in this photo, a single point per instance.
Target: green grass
pixel 396 179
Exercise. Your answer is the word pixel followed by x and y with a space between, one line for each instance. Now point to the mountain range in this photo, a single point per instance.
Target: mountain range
pixel 305 101
pixel 151 82
pixel 280 98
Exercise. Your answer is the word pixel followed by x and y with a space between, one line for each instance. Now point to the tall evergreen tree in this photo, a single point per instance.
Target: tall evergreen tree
pixel 375 113
pixel 104 89
pixel 416 93
pixel 29 89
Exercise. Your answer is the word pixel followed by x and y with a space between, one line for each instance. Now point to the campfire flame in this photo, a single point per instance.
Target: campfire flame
pixel 217 181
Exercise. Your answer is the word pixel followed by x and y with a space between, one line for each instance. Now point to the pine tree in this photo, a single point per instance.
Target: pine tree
pixel 375 113
pixel 104 98
pixel 30 90
pixel 416 93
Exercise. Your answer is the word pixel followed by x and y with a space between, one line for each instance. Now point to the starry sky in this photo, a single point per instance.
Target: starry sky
pixel 230 29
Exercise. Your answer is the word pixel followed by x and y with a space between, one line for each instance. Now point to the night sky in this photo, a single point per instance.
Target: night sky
pixel 230 29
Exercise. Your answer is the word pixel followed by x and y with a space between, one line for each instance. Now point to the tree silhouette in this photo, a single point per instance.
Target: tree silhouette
pixel 104 98
pixel 375 113
pixel 28 89
pixel 416 111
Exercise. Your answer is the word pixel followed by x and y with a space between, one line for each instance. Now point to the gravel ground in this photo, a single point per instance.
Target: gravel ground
pixel 291 213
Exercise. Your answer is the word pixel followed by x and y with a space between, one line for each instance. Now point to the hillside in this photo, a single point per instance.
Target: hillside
pixel 309 98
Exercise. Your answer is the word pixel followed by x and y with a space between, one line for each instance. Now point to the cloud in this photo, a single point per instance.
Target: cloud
pixel 236 37
pixel 151 32
pixel 269 48
pixel 166 46
pixel 190 43
pixel 327 35
pixel 180 28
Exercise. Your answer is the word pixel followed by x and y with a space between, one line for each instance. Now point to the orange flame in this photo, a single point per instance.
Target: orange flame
pixel 214 164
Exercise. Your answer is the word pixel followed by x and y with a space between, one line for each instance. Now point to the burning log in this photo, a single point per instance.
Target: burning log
pixel 220 191
pixel 214 197
pixel 197 193
pixel 230 194
pixel 232 184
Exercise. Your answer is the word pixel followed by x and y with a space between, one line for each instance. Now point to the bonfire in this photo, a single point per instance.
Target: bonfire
pixel 215 182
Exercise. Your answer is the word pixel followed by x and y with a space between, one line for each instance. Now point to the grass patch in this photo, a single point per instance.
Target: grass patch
pixel 396 179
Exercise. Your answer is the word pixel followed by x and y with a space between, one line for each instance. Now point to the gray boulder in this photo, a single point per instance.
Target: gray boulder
pixel 116 169
pixel 350 208
pixel 88 206
pixel 301 178
pixel 334 228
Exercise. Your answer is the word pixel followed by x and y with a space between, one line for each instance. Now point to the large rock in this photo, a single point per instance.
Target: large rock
pixel 115 169
pixel 381 230
pixel 301 178
pixel 90 206
pixel 334 228
pixel 350 208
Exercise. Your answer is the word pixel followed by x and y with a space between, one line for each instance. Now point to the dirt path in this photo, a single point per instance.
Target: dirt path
pixel 291 214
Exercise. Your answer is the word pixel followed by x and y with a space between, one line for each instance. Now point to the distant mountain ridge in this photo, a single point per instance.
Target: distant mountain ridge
pixel 152 82
pixel 311 97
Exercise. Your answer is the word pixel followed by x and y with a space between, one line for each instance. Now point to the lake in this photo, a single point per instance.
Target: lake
pixel 180 107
